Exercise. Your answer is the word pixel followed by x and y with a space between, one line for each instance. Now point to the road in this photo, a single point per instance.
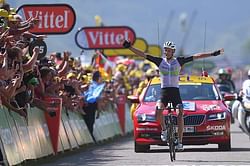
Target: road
pixel 121 152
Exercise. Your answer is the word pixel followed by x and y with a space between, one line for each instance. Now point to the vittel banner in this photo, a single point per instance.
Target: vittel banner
pixel 103 37
pixel 53 18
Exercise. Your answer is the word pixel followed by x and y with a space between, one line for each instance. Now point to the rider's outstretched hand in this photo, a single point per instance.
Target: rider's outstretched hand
pixel 126 44
pixel 218 52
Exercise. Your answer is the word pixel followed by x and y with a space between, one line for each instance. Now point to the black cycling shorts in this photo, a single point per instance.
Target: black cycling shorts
pixel 171 95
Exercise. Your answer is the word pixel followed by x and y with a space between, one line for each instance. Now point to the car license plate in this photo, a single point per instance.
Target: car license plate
pixel 187 129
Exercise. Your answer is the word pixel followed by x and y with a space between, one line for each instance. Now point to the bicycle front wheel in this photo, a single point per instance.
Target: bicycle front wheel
pixel 171 141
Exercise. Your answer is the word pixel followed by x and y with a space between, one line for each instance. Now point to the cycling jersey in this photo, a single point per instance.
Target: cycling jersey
pixel 169 70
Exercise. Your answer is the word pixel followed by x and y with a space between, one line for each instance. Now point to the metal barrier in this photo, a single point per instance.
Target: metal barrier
pixel 21 140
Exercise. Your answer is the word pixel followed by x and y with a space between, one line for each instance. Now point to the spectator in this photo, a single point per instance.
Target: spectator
pixel 26 95
pixel 91 98
pixel 44 77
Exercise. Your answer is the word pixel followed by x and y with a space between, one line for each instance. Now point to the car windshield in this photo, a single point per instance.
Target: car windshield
pixel 224 88
pixel 188 92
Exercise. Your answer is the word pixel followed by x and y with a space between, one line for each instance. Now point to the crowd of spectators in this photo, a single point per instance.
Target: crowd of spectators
pixel 26 79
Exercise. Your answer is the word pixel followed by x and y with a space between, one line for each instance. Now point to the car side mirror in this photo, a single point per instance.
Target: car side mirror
pixel 133 99
pixel 229 97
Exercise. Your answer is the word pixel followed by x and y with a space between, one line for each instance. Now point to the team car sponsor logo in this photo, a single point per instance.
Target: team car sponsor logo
pixel 210 107
pixel 216 128
pixel 189 106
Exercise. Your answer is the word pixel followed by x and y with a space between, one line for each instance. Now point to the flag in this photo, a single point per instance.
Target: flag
pixel 104 65
pixel 98 21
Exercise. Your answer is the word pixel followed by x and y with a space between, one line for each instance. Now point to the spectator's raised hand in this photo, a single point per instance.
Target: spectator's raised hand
pixel 35 21
pixel 29 19
pixel 15 80
pixel 66 55
pixel 4 35
pixel 10 41
pixel 36 50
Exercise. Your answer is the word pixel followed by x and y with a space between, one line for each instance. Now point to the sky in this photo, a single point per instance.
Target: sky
pixel 210 24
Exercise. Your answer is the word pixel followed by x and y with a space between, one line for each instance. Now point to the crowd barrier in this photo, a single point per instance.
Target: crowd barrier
pixel 22 139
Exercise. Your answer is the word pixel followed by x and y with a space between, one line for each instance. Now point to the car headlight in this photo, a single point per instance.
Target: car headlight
pixel 217 116
pixel 145 118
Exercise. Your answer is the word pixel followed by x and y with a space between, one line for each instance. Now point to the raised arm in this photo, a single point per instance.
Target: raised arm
pixel 4 67
pixel 31 63
pixel 127 44
pixel 208 54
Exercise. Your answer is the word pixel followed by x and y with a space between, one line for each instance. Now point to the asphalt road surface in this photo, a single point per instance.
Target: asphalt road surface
pixel 120 151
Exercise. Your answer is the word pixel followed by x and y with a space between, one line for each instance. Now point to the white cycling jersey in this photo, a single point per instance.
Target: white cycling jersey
pixel 169 70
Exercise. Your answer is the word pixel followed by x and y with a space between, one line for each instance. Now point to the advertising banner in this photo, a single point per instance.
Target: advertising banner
pixel 103 37
pixel 53 18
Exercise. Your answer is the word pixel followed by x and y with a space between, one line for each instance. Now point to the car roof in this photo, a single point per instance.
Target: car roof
pixel 188 79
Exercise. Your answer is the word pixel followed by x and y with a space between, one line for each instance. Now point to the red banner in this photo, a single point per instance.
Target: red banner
pixel 53 118
pixel 54 18
pixel 121 111
pixel 103 37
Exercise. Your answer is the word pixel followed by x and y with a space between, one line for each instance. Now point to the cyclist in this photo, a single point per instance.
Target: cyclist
pixel 169 68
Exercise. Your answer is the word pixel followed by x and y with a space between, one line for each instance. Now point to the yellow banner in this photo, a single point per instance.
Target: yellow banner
pixel 188 79
pixel 140 43
pixel 154 50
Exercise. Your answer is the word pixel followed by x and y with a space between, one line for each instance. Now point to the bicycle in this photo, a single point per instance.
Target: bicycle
pixel 171 131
